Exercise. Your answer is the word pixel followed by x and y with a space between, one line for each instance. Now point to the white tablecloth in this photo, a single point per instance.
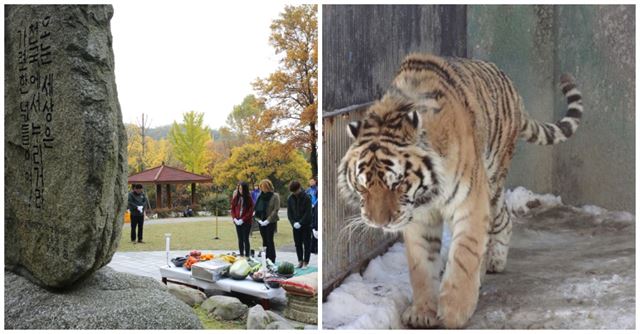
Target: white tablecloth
pixel 246 286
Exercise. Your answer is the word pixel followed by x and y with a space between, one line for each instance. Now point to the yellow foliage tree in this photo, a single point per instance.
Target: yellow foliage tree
pixel 156 151
pixel 189 139
pixel 265 160
pixel 134 148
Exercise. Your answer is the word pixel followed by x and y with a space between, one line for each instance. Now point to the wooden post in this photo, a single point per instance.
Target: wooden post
pixel 169 196
pixel 158 196
pixel 193 194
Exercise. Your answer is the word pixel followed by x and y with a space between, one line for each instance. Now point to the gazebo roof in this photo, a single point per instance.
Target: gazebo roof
pixel 166 174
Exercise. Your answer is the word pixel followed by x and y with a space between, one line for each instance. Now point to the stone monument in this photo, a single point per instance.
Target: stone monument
pixel 66 178
pixel 65 144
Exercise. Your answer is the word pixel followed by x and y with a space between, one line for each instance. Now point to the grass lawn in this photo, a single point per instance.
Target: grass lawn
pixel 199 235
pixel 211 323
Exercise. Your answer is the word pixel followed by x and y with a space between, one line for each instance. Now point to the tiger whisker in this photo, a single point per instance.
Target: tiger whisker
pixel 352 225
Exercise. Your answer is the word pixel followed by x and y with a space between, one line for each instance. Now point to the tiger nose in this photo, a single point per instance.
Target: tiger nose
pixel 383 221
pixel 376 220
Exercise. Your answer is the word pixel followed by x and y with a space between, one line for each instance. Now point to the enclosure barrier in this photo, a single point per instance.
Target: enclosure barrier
pixel 343 252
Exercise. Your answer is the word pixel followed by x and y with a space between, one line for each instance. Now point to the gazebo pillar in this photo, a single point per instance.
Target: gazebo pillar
pixel 158 196
pixel 169 196
pixel 165 175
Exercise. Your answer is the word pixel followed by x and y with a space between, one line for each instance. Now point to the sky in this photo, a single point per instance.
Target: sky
pixel 171 59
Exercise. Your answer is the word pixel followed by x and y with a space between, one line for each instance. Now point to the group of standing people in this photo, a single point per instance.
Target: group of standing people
pixel 262 205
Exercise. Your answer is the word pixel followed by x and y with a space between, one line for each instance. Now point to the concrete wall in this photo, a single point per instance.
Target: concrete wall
pixel 363 46
pixel 517 39
pixel 534 45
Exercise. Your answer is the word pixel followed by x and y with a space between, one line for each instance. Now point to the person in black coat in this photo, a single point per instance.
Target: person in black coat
pixel 136 203
pixel 314 230
pixel 299 214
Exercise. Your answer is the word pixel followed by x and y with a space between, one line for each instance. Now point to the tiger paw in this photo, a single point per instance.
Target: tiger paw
pixel 420 316
pixel 496 258
pixel 456 306
pixel 496 265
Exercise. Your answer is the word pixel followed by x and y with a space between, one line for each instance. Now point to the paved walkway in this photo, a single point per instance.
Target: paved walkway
pixel 282 213
pixel 148 263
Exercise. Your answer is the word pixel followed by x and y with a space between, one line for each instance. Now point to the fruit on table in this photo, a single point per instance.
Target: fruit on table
pixel 206 257
pixel 228 258
pixel 190 261
pixel 286 268
pixel 195 253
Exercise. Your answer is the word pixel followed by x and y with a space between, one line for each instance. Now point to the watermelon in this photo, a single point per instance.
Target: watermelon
pixel 286 268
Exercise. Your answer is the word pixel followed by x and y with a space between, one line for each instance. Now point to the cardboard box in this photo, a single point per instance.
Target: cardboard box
pixel 210 271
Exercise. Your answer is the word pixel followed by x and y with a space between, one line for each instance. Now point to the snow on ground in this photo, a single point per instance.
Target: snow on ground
pixel 604 214
pixel 558 276
pixel 521 200
pixel 373 299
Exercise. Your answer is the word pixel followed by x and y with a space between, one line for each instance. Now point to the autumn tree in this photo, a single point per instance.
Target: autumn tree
pixel 265 160
pixel 291 91
pixel 156 151
pixel 189 140
pixel 143 125
pixel 212 156
pixel 134 148
pixel 250 120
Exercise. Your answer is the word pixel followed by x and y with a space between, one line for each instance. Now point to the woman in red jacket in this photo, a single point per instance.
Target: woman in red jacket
pixel 242 212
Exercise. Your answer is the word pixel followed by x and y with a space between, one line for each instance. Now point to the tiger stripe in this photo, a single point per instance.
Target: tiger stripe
pixel 437 148
pixel 562 129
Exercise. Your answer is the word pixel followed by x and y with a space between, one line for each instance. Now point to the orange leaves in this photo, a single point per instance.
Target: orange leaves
pixel 250 120
pixel 291 91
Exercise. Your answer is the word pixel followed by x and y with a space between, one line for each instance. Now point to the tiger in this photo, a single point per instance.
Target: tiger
pixel 436 149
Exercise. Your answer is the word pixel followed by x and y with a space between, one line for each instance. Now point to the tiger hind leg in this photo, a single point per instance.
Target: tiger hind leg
pixel 499 236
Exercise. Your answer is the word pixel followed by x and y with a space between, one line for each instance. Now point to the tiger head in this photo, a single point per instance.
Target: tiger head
pixel 389 169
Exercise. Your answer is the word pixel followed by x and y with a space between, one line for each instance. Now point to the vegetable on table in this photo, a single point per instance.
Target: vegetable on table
pixel 240 269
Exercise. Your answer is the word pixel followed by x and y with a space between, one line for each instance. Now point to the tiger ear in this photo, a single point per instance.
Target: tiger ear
pixel 353 129
pixel 414 119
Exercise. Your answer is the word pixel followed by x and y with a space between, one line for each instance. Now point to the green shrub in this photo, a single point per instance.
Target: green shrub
pixel 166 212
pixel 217 204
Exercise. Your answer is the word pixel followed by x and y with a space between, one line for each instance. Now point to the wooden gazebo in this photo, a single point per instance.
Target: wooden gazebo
pixel 168 175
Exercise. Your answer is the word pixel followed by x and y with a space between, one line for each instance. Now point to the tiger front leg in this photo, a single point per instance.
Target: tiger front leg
pixel 423 244
pixel 460 286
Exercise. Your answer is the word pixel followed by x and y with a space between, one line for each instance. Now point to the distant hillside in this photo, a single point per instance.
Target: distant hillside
pixel 162 132
pixel 215 134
